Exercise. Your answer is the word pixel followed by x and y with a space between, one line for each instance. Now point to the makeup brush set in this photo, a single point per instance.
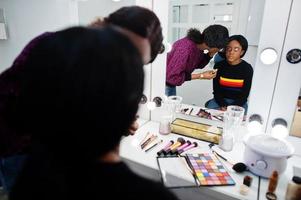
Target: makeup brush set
pixel 176 148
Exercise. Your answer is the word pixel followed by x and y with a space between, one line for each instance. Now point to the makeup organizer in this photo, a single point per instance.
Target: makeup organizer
pixel 197 130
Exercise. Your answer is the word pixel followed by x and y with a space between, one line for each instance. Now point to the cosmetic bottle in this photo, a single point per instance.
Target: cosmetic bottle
pixel 293 190
pixel 273 181
pixel 165 125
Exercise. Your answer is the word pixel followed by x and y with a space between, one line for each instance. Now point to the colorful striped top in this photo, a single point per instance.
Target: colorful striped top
pixel 232 82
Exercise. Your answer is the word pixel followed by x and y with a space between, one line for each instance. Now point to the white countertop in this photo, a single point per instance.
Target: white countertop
pixel 131 150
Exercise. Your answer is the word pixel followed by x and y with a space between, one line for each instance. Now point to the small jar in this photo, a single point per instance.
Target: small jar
pixel 293 190
pixel 226 142
pixel 165 125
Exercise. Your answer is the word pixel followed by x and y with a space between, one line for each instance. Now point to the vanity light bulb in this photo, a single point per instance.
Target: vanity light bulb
pixel 268 56
pixel 279 128
pixel 255 124
pixel 279 131
pixel 151 105
pixel 255 127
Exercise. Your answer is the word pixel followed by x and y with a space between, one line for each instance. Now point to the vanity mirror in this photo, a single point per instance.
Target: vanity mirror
pixel 239 16
pixel 265 25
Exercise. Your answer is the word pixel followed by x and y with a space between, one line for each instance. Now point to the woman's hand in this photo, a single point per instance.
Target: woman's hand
pixel 210 74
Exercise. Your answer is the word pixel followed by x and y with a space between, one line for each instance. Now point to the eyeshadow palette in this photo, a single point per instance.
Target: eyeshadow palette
pixel 208 170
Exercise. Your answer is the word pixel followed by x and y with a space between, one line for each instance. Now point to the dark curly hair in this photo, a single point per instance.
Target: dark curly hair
pixel 141 21
pixel 195 35
pixel 215 36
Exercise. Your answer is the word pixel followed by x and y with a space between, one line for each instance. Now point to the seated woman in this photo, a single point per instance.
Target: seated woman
pixel 232 84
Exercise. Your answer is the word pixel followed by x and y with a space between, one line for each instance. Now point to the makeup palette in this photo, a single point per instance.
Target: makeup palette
pixel 208 170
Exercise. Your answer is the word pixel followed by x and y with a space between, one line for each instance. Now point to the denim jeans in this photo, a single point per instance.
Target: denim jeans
pixel 170 90
pixel 212 104
pixel 218 58
pixel 10 167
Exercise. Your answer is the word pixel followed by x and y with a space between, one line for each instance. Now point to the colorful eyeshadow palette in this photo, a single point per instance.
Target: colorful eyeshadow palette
pixel 208 170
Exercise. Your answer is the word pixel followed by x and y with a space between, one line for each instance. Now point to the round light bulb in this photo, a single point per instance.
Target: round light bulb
pixel 279 128
pixel 151 105
pixel 255 127
pixel 268 56
pixel 279 131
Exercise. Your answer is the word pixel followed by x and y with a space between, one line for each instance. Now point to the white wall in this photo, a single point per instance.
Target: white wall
pixel 26 19
pixel 88 10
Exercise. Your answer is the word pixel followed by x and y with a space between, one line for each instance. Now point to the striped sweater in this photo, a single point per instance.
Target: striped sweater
pixel 232 82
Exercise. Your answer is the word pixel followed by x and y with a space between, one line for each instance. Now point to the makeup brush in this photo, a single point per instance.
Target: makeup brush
pixel 148 141
pixel 171 142
pixel 238 167
pixel 148 134
pixel 180 141
pixel 193 145
pixel 154 145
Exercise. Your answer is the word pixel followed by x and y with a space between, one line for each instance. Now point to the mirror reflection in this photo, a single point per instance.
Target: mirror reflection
pixel 202 65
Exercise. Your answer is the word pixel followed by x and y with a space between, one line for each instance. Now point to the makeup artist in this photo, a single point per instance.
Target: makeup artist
pixel 138 23
pixel 187 54
pixel 67 87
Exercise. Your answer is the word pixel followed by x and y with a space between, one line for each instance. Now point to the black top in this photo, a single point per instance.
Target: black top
pixel 11 142
pixel 232 82
pixel 45 180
